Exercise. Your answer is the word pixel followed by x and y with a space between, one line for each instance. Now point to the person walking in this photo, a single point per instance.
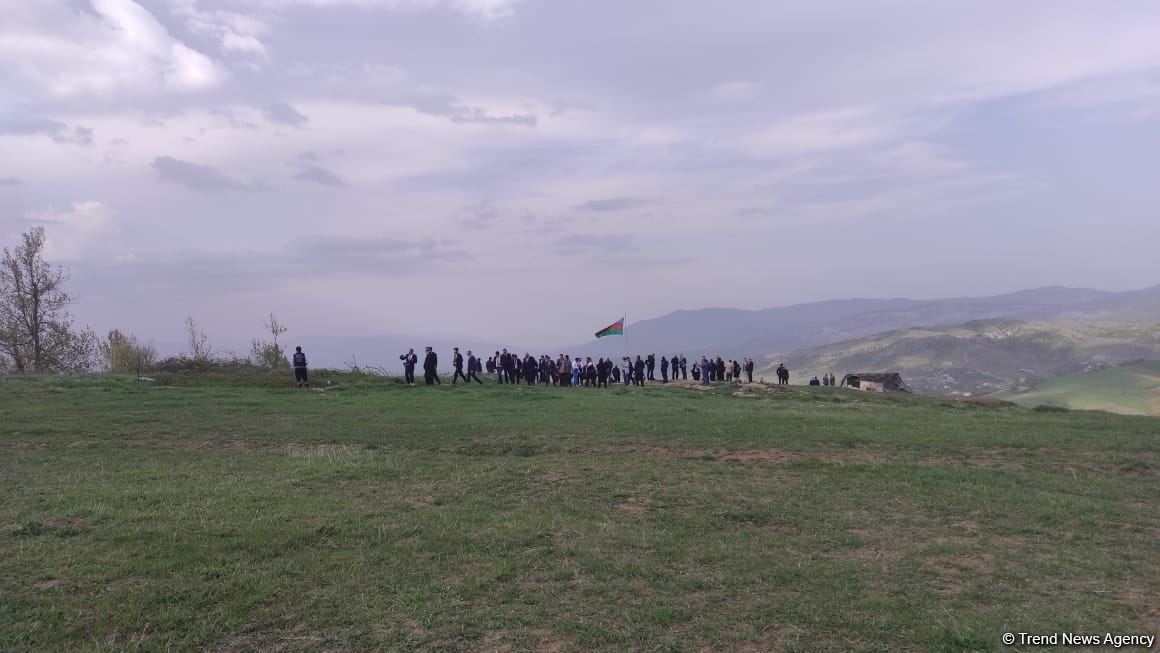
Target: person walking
pixel 301 376
pixel 506 364
pixel 431 367
pixel 473 367
pixel 457 364
pixel 409 361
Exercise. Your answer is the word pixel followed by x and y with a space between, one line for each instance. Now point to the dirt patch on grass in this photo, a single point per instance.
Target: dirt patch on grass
pixel 45 585
pixel 634 505
pixel 68 522
pixel 958 572
pixel 744 455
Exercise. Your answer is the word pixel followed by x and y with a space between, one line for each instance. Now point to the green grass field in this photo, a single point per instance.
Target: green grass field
pixel 1130 389
pixel 194 513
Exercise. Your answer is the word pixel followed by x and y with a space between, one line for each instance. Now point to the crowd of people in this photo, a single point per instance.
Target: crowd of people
pixel 570 371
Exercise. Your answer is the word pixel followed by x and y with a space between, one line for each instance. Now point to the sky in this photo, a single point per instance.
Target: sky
pixel 530 170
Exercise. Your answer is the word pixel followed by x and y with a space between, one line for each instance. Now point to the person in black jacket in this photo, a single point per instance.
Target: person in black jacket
pixel 510 364
pixel 684 369
pixel 530 369
pixel 749 369
pixel 457 363
pixel 409 360
pixel 650 362
pixel 431 368
pixel 473 368
pixel 602 372
pixel 638 371
pixel 664 370
pixel 300 375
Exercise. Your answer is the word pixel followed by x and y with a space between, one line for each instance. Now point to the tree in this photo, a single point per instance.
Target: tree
pixel 122 353
pixel 270 354
pixel 199 346
pixel 36 330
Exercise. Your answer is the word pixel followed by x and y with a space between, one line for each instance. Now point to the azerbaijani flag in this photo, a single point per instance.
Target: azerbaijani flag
pixel 614 329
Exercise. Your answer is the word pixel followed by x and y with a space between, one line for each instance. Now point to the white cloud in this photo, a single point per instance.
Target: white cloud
pixel 47 47
pixel 236 33
pixel 72 232
pixel 729 92
pixel 485 9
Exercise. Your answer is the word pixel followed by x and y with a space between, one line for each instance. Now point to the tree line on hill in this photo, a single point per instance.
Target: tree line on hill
pixel 38 335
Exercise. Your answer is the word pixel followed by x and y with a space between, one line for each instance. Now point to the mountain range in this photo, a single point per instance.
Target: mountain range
pixel 767 333
pixel 940 345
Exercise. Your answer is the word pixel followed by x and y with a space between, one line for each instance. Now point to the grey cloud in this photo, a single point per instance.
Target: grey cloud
pixel 54 129
pixel 450 107
pixel 82 136
pixel 196 176
pixel 229 117
pixel 476 114
pixel 197 273
pixel 612 204
pixel 319 175
pixel 480 216
pixel 753 211
pixel 284 114
pixel 597 244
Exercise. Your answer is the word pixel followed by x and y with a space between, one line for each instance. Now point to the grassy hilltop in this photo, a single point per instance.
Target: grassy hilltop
pixel 1129 389
pixel 202 513
pixel 982 357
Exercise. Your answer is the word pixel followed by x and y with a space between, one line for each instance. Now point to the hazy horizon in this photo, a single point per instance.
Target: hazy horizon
pixel 527 171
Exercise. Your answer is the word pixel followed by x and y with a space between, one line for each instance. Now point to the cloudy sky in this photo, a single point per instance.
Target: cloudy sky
pixel 527 170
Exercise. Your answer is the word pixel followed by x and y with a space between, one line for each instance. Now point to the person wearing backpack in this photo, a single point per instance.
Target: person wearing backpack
pixel 299 363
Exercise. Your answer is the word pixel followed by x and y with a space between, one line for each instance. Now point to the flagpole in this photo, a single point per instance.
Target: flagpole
pixel 626 350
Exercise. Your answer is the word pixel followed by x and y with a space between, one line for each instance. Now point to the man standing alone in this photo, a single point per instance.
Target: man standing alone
pixel 299 362
pixel 409 360
pixel 430 368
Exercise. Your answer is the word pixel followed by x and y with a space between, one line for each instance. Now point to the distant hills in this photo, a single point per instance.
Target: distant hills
pixel 1059 335
pixel 770 332
pixel 1132 389
pixel 983 357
